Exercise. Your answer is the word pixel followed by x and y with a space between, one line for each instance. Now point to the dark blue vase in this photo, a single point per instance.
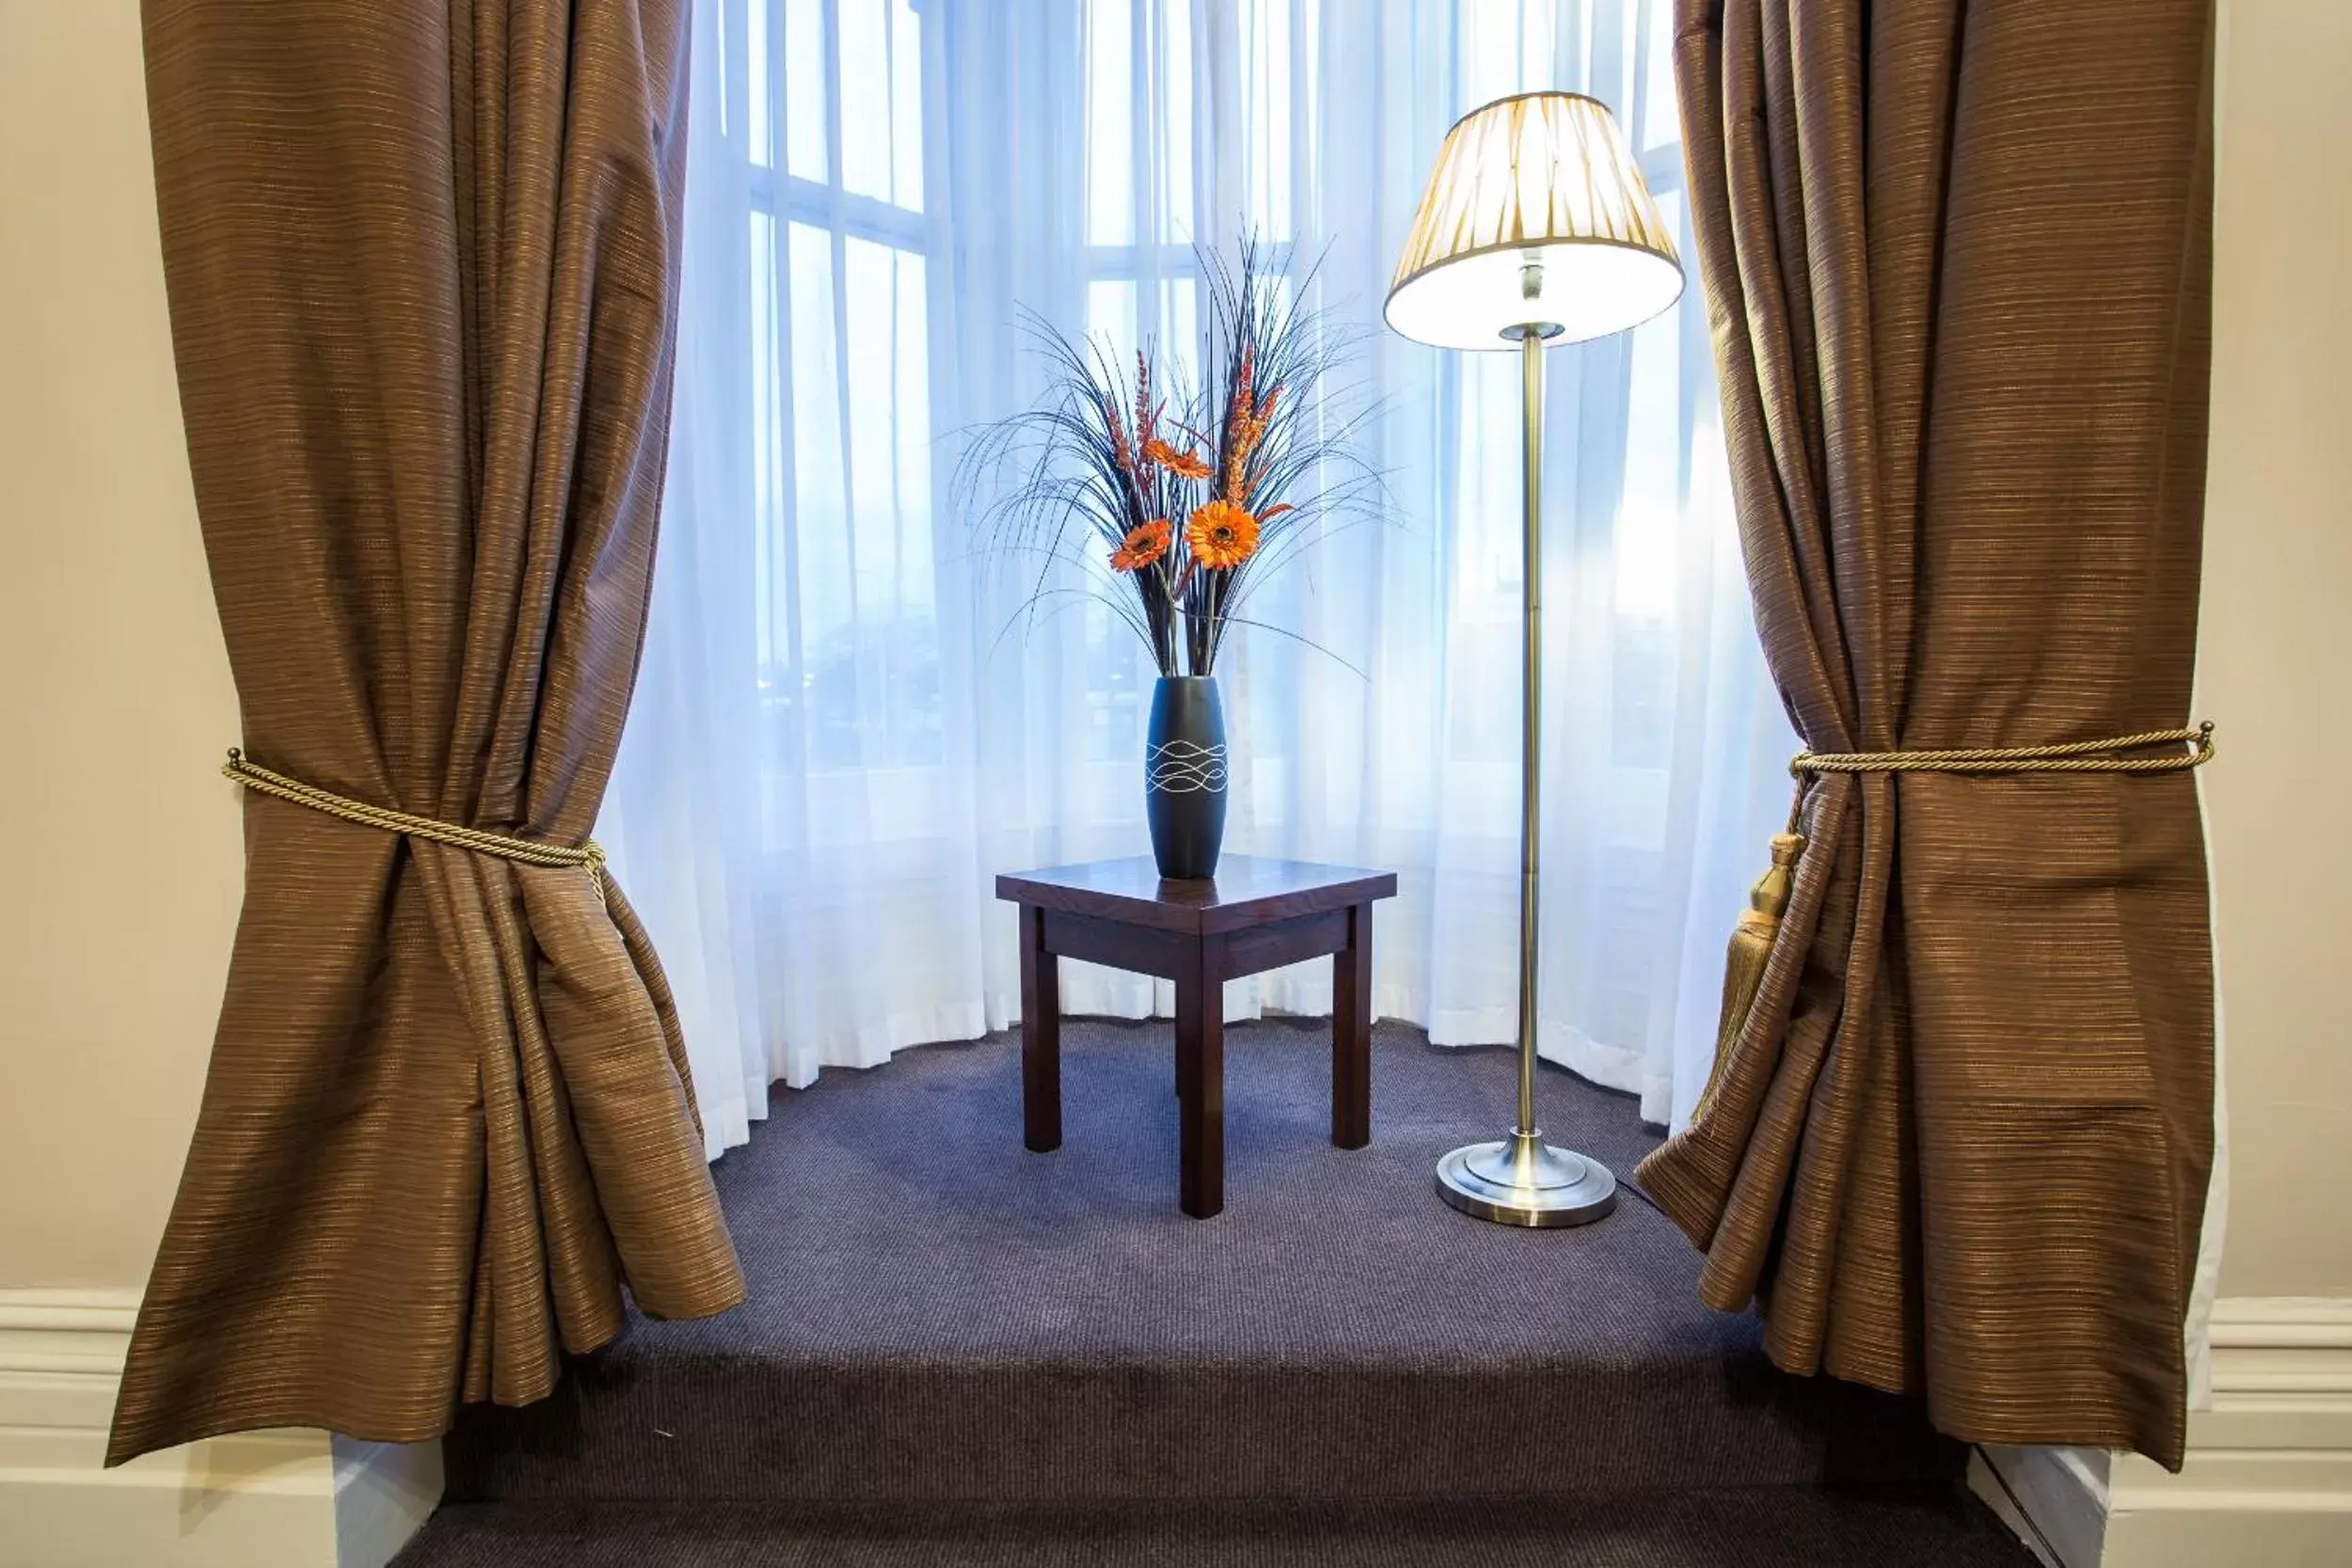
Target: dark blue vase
pixel 1184 774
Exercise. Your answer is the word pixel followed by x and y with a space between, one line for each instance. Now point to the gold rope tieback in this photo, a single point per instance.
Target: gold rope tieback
pixel 1752 940
pixel 2076 756
pixel 530 851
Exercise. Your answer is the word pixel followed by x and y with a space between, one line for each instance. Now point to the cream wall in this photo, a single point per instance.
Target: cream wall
pixel 2274 656
pixel 121 868
pixel 122 872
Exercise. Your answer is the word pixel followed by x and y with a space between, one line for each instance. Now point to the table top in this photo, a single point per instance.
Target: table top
pixel 1244 891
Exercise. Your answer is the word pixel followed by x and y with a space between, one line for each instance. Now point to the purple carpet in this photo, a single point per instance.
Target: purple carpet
pixel 955 1348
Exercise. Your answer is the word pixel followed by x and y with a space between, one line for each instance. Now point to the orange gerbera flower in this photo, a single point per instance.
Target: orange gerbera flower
pixel 1142 546
pixel 1185 465
pixel 1221 535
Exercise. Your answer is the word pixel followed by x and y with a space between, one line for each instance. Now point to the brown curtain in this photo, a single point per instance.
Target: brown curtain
pixel 423 264
pixel 1957 261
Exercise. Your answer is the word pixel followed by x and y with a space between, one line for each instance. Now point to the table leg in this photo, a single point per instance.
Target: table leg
pixel 1351 1034
pixel 1201 1083
pixel 1041 1035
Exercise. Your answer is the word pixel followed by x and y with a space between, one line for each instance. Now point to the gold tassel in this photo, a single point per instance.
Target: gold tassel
pixel 1751 947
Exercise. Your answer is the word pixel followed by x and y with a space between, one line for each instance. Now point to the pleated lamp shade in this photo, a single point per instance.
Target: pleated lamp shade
pixel 1544 178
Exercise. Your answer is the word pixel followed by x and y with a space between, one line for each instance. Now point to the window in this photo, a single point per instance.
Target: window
pixel 855 722
pixel 840 384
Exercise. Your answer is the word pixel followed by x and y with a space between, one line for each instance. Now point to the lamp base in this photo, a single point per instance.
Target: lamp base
pixel 1524 1181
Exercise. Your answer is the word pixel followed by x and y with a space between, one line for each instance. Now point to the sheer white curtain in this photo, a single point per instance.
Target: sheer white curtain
pixel 844 726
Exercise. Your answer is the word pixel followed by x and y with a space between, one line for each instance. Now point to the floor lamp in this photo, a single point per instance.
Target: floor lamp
pixel 1535 229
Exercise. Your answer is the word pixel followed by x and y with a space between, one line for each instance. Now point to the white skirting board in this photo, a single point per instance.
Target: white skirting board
pixel 265 1499
pixel 2267 1482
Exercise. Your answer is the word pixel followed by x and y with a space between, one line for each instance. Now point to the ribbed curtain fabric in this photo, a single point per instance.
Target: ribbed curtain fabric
pixel 848 723
pixel 422 264
pixel 1958 261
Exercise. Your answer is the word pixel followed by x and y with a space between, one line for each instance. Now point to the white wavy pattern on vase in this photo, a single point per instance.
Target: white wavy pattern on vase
pixel 1184 768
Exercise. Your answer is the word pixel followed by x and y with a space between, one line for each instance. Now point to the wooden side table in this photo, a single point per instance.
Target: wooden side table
pixel 1254 915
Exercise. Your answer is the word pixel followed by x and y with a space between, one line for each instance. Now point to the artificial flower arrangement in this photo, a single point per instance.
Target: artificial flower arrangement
pixel 1181 496
pixel 1175 501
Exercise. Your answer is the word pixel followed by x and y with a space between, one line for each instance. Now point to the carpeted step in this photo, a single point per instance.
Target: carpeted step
pixel 1715 1528
pixel 938 1314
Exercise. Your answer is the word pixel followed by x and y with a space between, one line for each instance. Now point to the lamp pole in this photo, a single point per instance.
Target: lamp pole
pixel 1531 700
pixel 1522 1179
